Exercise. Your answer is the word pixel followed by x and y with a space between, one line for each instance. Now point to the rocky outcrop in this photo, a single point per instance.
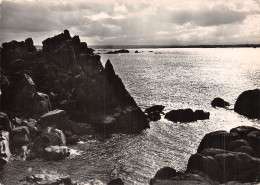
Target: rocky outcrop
pixel 186 115
pixel 118 51
pixel 248 104
pixel 219 102
pixel 5 123
pixel 153 112
pixel 221 157
pixel 71 79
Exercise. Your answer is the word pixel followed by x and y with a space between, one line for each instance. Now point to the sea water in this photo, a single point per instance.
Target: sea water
pixel 177 79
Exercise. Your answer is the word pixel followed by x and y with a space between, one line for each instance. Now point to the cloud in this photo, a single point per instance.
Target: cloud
pixel 133 22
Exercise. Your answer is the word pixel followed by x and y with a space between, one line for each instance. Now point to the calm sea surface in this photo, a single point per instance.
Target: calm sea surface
pixel 175 78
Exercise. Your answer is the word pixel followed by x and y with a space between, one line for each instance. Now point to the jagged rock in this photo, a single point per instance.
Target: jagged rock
pixel 186 115
pixel 248 104
pixel 49 137
pixel 5 153
pixel 5 123
pixel 56 152
pixel 117 181
pixel 124 98
pixel 219 102
pixel 57 118
pixel 47 178
pixel 17 50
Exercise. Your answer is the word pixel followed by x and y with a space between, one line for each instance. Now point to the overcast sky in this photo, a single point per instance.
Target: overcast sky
pixel 100 22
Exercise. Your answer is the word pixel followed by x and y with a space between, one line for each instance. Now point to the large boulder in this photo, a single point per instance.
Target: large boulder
pixel 57 118
pixel 5 153
pixel 56 152
pixel 117 181
pixel 248 104
pixel 219 102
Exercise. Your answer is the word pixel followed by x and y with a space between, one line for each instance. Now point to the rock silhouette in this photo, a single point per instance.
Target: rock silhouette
pixel 219 102
pixel 186 115
pixel 248 104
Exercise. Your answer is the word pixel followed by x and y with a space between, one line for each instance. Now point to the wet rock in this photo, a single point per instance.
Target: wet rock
pixel 186 115
pixel 154 112
pixel 5 123
pixel 56 152
pixel 218 139
pixel 245 149
pixel 5 153
pixel 46 179
pixel 213 151
pixel 57 118
pixel 165 173
pixel 201 115
pixel 248 104
pixel 219 102
pixel 117 181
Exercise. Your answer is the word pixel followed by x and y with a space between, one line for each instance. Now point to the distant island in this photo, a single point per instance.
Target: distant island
pixel 176 46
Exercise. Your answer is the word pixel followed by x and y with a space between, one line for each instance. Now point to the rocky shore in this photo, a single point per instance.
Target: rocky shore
pixel 49 98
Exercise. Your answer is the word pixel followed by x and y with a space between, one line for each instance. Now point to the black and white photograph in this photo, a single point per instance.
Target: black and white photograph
pixel 129 92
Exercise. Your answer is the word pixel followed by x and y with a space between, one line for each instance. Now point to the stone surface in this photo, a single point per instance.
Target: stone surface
pixel 5 153
pixel 186 115
pixel 5 123
pixel 57 118
pixel 219 102
pixel 248 104
pixel 117 181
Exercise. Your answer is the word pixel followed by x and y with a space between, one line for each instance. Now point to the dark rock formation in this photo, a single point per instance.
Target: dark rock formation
pixel 71 78
pixel 154 112
pixel 136 51
pixel 117 181
pixel 248 104
pixel 19 136
pixel 222 157
pixel 56 152
pixel 118 51
pixel 186 115
pixel 219 102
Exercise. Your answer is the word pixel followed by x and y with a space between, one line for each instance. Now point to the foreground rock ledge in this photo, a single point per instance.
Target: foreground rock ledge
pixel 222 157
